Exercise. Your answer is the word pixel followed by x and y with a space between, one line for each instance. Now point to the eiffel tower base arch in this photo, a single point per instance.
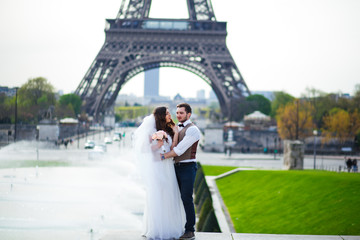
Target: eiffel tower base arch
pixel 134 45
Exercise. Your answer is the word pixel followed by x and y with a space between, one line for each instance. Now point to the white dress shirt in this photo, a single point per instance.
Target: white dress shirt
pixel 192 135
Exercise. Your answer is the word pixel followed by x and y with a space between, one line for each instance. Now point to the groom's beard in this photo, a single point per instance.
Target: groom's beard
pixel 183 117
pixel 183 120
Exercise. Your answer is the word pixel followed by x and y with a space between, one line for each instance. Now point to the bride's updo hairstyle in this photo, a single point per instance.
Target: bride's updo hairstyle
pixel 160 121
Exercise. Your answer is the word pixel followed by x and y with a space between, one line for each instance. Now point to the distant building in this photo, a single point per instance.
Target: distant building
pixel 212 95
pixel 124 99
pixel 178 98
pixel 60 92
pixel 257 121
pixel 212 98
pixel 48 130
pixel 109 118
pixel 200 94
pixel 10 92
pixel 345 95
pixel 151 83
pixel 68 127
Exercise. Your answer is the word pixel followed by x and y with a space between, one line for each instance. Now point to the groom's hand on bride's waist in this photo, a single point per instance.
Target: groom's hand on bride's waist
pixel 168 155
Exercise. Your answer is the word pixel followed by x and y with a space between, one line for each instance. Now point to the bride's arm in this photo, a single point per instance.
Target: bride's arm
pixel 158 145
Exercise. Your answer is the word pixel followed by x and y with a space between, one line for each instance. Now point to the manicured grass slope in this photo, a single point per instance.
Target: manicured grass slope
pixel 293 202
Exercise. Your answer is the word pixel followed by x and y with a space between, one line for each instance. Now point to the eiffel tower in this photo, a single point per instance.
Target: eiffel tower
pixel 135 43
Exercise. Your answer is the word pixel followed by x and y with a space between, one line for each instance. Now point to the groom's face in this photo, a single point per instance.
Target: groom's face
pixel 181 114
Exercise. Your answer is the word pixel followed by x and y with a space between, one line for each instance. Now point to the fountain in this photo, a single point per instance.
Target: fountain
pixel 76 198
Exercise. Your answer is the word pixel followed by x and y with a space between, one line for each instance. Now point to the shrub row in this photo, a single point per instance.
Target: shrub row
pixel 203 204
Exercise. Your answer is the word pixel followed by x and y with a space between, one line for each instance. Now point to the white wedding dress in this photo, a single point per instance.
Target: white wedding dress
pixel 164 215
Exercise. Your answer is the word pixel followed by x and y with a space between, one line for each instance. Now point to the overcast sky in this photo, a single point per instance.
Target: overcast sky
pixel 278 45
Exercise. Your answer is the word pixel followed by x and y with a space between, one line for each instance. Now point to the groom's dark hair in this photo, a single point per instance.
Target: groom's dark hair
pixel 186 106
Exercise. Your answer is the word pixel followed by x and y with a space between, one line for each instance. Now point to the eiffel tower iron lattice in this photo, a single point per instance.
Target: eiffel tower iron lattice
pixel 135 43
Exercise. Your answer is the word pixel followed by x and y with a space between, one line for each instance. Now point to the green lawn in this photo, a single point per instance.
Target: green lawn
pixel 293 202
pixel 33 163
pixel 210 170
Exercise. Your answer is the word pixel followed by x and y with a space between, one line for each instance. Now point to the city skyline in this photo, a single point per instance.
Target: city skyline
pixel 277 45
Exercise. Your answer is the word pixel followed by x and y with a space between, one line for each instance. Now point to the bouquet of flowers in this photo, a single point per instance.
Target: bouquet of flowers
pixel 160 135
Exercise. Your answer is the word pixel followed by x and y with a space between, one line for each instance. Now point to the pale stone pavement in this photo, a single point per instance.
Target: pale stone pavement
pixel 123 235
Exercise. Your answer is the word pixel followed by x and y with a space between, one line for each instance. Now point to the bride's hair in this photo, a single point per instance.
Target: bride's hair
pixel 160 121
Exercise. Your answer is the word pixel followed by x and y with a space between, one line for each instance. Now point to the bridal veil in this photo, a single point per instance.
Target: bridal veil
pixel 164 216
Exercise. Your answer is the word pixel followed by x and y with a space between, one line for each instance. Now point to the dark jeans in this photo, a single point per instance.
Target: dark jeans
pixel 185 174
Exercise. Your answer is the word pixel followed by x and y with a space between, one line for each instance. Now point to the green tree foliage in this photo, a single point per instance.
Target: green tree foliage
pixel 6 109
pixel 34 99
pixel 73 100
pixel 243 109
pixel 260 103
pixel 132 112
pixel 355 103
pixel 118 117
pixel 64 111
pixel 323 103
pixel 37 92
pixel 357 141
pixel 319 102
pixel 280 100
pixel 212 112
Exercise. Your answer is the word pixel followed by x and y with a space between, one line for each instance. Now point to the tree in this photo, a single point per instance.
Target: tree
pixel 260 103
pixel 73 100
pixel 324 102
pixel 318 100
pixel 355 101
pixel 5 108
pixel 127 113
pixel 37 92
pixel 34 99
pixel 238 110
pixel 62 111
pixel 295 121
pixel 342 125
pixel 280 100
pixel 214 112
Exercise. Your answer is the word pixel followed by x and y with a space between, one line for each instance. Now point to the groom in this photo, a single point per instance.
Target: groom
pixel 185 164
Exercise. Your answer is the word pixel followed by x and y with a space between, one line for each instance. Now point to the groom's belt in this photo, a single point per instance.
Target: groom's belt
pixel 183 163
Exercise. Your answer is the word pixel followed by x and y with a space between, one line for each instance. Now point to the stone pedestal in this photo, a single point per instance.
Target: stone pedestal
pixel 293 155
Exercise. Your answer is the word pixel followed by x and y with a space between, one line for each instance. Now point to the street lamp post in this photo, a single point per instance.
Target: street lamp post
pixel 86 133
pixel 230 131
pixel 267 145
pixel 78 135
pixel 15 132
pixel 78 130
pixel 315 132
pixel 275 147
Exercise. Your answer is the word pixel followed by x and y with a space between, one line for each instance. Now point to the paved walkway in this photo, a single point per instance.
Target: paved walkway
pixel 268 161
pixel 123 235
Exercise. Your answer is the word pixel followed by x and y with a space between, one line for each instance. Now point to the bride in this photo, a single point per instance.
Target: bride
pixel 164 215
